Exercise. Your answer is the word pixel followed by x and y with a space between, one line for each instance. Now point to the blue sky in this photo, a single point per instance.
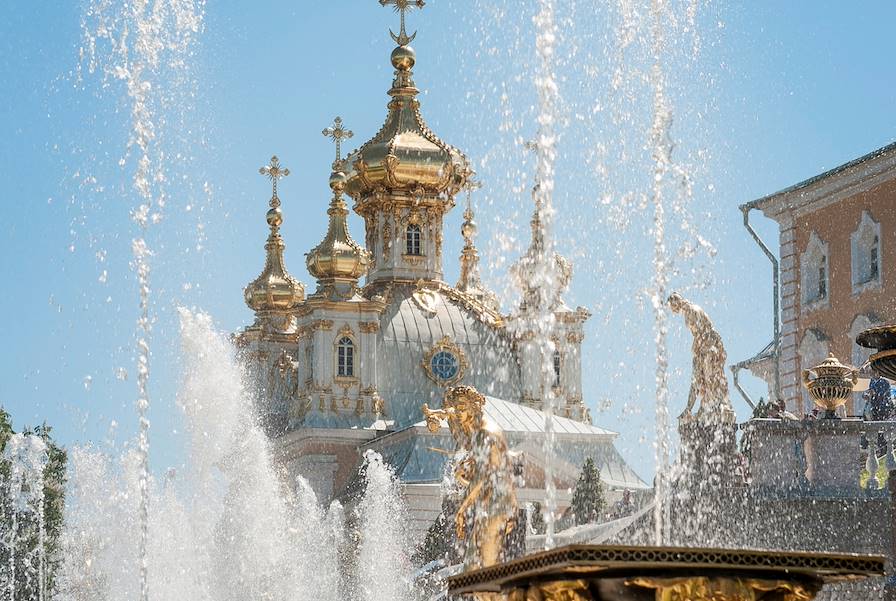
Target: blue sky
pixel 775 93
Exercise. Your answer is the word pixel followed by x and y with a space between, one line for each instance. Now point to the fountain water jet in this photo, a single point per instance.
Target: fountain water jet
pixel 143 38
pixel 28 458
pixel 227 530
pixel 384 564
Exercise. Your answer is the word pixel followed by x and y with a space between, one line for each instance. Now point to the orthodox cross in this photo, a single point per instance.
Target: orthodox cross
pixel 338 133
pixel 472 184
pixel 274 171
pixel 402 6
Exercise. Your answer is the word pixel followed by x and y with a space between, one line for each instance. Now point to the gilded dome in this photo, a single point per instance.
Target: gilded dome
pixel 275 289
pixel 405 154
pixel 338 256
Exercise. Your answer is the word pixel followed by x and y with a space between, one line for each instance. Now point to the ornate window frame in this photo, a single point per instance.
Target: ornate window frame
pixel 413 241
pixel 865 249
pixel 344 333
pixel 445 344
pixel 815 274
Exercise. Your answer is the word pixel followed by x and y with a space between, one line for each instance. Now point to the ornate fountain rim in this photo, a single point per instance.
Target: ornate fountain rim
pixel 878 337
pixel 582 561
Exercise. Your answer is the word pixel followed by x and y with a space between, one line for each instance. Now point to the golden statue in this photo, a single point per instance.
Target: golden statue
pixel 708 380
pixel 484 470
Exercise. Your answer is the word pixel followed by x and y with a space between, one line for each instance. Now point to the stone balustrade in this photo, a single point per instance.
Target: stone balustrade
pixel 824 455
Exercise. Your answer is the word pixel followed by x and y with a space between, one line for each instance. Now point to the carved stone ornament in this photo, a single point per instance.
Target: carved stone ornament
pixel 369 327
pixel 425 299
pixel 414 260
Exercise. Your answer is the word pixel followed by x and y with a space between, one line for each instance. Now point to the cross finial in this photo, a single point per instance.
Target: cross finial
pixel 338 133
pixel 274 171
pixel 402 6
pixel 471 185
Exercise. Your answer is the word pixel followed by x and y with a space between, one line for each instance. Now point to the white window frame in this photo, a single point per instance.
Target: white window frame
pixel 812 260
pixel 353 346
pixel 412 238
pixel 860 243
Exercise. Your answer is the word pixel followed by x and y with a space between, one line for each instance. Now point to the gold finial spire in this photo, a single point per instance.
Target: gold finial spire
pixel 274 171
pixel 470 281
pixel 275 291
pixel 338 261
pixel 338 133
pixel 402 6
pixel 468 229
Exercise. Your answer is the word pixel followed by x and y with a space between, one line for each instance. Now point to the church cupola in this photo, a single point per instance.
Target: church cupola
pixel 404 179
pixel 274 294
pixel 338 261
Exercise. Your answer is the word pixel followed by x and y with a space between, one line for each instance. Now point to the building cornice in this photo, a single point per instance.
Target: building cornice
pixel 832 186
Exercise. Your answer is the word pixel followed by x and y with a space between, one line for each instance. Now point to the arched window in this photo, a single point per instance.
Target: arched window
pixel 345 358
pixel 412 239
pixel 556 369
pixel 814 271
pixel 865 247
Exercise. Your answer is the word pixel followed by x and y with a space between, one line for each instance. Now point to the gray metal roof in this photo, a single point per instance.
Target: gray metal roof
pixel 513 417
pixel 407 333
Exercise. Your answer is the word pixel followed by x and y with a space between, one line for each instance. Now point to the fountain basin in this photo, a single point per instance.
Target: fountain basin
pixel 622 573
pixel 883 340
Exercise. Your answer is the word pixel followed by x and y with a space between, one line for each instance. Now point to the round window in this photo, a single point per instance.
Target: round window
pixel 444 365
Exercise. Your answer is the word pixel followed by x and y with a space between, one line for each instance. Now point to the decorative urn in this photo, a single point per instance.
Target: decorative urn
pixel 830 384
pixel 883 340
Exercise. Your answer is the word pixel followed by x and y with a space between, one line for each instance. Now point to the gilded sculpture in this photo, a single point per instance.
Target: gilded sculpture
pixel 483 468
pixel 724 589
pixel 708 380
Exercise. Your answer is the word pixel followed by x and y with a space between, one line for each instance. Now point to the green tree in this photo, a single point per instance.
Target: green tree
pixel 588 502
pixel 27 534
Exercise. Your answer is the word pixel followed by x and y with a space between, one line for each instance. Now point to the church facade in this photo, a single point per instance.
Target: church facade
pixel 346 367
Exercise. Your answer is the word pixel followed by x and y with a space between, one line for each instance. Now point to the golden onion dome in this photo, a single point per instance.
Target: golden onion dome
pixel 338 256
pixel 275 289
pixel 405 154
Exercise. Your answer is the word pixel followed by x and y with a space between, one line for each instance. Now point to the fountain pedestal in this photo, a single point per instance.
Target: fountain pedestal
pixel 609 573
pixel 825 454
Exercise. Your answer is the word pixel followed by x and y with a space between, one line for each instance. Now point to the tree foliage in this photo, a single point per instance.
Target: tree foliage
pixel 588 504
pixel 26 535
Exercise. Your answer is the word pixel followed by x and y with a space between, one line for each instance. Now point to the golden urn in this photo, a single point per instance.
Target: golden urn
pixel 830 384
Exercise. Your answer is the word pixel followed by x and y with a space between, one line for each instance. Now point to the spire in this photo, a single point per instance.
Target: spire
pixel 470 282
pixel 542 275
pixel 274 291
pixel 338 261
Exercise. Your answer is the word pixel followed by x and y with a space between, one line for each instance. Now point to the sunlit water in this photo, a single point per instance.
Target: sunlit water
pixel 228 526
pixel 225 528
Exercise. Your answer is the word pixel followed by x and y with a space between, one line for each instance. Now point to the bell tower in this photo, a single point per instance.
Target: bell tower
pixel 404 179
